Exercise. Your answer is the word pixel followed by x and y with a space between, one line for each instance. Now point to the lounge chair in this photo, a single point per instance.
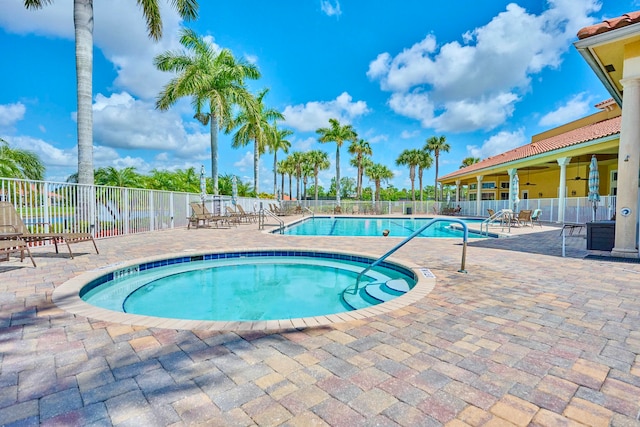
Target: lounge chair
pixel 15 245
pixel 235 216
pixel 491 212
pixel 10 221
pixel 202 217
pixel 535 217
pixel 277 211
pixel 524 217
pixel 248 216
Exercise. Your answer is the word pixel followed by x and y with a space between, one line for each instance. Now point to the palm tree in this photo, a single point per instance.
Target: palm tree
pixel 281 168
pixel 412 159
pixel 290 169
pixel 111 176
pixel 215 81
pixel 83 24
pixel 297 158
pixel 17 163
pixel 319 160
pixel 279 142
pixel 425 163
pixel 378 172
pixel 338 134
pixel 254 125
pixel 468 161
pixel 360 149
pixel 435 145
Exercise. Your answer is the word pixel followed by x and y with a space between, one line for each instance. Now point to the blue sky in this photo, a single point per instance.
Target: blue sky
pixel 487 75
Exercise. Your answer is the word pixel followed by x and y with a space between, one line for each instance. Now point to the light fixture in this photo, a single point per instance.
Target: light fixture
pixel 626 158
pixel 573 192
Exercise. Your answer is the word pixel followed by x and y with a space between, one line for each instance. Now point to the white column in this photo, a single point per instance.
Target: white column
pixel 562 185
pixel 479 196
pixel 628 165
pixel 511 172
pixel 457 191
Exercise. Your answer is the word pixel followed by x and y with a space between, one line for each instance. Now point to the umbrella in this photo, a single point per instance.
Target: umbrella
pixel 594 184
pixel 203 185
pixel 515 191
pixel 234 190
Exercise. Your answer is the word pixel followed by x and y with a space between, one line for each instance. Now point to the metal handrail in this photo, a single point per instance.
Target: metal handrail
pixel 265 212
pixel 496 216
pixel 465 238
pixel 304 208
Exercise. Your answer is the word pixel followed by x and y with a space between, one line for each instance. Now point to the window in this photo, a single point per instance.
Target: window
pixel 504 196
pixel 473 197
pixel 488 185
pixel 473 186
pixel 504 184
pixel 488 196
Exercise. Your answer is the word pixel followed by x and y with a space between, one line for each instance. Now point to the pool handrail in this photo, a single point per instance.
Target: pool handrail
pixel 304 208
pixel 495 217
pixel 465 238
pixel 266 212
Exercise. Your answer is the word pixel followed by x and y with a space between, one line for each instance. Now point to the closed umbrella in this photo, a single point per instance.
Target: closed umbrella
pixel 594 184
pixel 515 191
pixel 234 190
pixel 203 185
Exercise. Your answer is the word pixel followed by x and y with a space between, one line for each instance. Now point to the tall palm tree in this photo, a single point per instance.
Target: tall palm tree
pixel 425 163
pixel 318 160
pixel 290 169
pixel 83 24
pixel 378 172
pixel 297 159
pixel 360 149
pixel 214 80
pixel 17 163
pixel 468 161
pixel 254 124
pixel 279 142
pixel 412 159
pixel 436 145
pixel 339 134
pixel 281 169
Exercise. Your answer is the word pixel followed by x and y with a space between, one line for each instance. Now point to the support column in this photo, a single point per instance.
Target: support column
pixel 511 172
pixel 457 191
pixel 479 196
pixel 562 185
pixel 628 165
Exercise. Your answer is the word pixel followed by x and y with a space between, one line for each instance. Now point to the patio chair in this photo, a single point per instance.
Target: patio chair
pixel 248 216
pixel 201 216
pixel 235 216
pixel 491 212
pixel 535 217
pixel 524 217
pixel 10 221
pixel 15 245
pixel 276 210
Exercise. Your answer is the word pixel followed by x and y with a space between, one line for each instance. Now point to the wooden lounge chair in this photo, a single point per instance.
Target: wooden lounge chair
pixel 15 245
pixel 10 221
pixel 202 217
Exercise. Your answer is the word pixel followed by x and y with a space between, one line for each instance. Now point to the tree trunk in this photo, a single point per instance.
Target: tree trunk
pixel 316 185
pixel 214 152
pixel 338 175
pixel 275 173
pixel 256 166
pixel 83 23
pixel 435 187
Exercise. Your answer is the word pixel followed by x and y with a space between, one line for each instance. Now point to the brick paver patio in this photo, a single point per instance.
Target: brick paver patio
pixel 526 337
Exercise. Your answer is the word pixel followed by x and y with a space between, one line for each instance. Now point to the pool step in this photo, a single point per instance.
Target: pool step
pixel 375 292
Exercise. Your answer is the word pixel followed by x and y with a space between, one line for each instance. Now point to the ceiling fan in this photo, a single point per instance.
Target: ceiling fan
pixel 528 183
pixel 579 178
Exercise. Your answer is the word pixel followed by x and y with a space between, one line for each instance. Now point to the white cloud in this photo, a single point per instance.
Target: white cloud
pixel 50 155
pixel 330 9
pixel 10 114
pixel 245 163
pixel 316 114
pixel 441 85
pixel 304 145
pixel 405 134
pixel 576 107
pixel 498 143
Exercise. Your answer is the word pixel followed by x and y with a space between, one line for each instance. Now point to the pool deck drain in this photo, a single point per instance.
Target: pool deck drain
pixel 526 337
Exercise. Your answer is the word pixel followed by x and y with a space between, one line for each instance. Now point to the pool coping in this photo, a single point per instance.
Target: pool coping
pixel 67 298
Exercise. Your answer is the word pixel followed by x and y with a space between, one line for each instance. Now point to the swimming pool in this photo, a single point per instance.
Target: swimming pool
pixel 268 286
pixel 368 226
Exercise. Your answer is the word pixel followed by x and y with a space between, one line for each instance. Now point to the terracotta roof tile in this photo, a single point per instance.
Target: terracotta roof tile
pixel 609 24
pixel 576 136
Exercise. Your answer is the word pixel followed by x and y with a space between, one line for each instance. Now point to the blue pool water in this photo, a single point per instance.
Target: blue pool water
pixel 262 285
pixel 362 226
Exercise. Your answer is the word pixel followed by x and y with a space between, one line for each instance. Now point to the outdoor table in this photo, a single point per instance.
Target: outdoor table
pixel 571 227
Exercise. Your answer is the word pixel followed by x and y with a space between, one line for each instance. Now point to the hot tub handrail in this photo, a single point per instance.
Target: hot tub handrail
pixel 465 238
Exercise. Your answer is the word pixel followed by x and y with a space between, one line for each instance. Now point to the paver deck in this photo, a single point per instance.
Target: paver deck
pixel 525 337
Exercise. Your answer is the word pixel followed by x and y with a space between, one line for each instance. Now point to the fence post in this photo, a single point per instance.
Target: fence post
pixel 151 212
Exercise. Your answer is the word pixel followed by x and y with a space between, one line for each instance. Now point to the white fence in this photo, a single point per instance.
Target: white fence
pixel 111 211
pixel 105 211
